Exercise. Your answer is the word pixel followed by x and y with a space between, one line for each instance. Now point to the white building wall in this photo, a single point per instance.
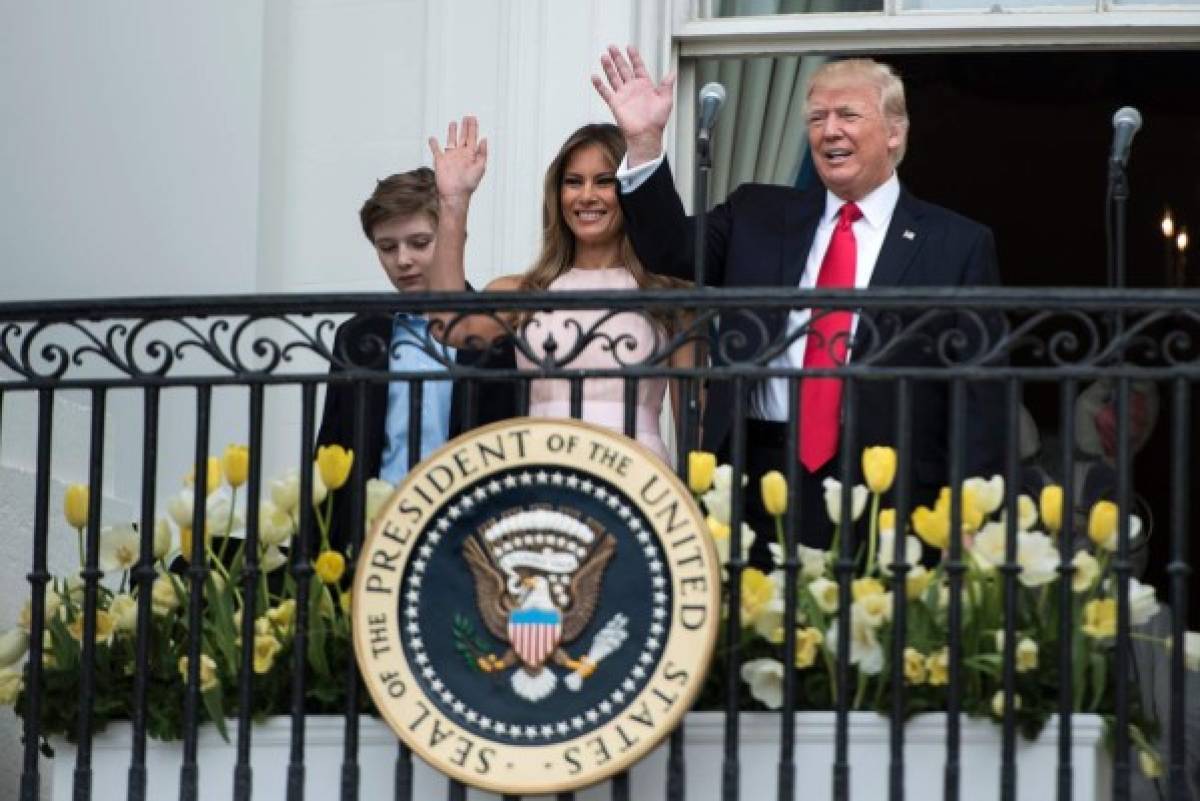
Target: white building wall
pixel 225 146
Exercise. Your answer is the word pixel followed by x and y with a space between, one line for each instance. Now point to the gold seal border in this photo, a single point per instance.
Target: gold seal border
pixel 630 734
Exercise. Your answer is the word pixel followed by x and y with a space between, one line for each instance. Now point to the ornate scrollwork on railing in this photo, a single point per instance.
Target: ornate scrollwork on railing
pixel 1067 329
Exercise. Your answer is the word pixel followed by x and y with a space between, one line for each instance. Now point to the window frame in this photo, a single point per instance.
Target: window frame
pixel 1105 26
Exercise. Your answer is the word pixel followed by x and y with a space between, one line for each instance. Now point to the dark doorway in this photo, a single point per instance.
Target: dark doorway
pixel 1020 142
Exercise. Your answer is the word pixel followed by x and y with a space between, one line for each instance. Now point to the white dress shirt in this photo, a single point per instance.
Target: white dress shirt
pixel 769 399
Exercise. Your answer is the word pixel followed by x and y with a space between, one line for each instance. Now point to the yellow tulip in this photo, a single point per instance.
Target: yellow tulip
pixel 185 541
pixel 938 667
pixel 1150 764
pixel 887 519
pixel 914 666
pixel 213 477
pixel 1052 507
pixel 702 465
pixel 879 468
pixel 1102 524
pixel 774 493
pixel 346 602
pixel 208 672
pixel 917 582
pixel 932 526
pixel 283 614
pixel 972 507
pixel 865 587
pixel 757 590
pixel 1100 618
pixel 808 643
pixel 75 505
pixel 265 649
pixel 1027 655
pixel 330 566
pixel 105 627
pixel 334 463
pixel 236 463
pixel 717 529
pixel 998 703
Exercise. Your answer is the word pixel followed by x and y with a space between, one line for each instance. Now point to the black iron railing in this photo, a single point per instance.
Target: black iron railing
pixel 1011 339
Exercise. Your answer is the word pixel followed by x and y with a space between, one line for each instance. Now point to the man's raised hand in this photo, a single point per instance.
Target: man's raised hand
pixel 460 165
pixel 640 108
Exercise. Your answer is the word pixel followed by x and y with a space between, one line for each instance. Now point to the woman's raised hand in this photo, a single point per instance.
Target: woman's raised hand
pixel 640 108
pixel 461 164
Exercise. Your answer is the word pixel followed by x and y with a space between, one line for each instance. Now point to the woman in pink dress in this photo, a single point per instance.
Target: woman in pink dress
pixel 584 247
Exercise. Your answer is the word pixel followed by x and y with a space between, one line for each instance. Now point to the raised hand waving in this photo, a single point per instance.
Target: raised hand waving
pixel 640 107
pixel 461 164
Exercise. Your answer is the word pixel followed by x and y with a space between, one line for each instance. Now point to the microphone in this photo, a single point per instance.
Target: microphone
pixel 711 98
pixel 1126 123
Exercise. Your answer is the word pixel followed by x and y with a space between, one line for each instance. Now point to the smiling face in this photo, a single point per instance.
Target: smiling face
pixel 405 249
pixel 853 143
pixel 588 199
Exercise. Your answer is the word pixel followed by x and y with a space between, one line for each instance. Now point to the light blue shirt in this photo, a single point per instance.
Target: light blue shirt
pixel 407 354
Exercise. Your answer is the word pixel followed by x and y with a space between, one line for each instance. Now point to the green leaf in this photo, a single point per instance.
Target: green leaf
pixel 1099 664
pixel 316 629
pixel 215 705
pixel 990 664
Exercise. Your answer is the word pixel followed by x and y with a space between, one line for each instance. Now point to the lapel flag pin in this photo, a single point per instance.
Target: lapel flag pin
pixel 909 235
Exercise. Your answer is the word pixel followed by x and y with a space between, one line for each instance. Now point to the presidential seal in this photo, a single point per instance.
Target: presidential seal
pixel 536 606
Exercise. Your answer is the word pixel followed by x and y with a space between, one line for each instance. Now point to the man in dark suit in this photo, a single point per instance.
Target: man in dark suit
pixel 860 229
pixel 400 220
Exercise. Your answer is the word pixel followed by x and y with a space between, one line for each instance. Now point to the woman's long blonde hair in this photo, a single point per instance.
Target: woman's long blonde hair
pixel 558 243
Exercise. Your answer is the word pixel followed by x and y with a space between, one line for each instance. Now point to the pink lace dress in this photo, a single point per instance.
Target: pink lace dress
pixel 620 340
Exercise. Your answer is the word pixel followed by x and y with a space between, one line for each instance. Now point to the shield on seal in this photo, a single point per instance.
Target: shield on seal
pixel 534 634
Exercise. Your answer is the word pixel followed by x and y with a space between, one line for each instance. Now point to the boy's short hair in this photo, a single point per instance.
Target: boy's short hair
pixel 401 195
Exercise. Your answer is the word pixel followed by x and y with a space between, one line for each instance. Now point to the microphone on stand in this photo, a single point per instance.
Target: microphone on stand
pixel 1126 123
pixel 712 96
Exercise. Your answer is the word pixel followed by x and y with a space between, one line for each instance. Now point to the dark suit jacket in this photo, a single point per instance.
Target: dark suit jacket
pixel 760 237
pixel 363 342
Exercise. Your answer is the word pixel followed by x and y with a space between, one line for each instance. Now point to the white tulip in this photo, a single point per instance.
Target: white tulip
pixel 1143 605
pixel 272 559
pixel 378 492
pixel 124 612
pixel 1087 570
pixel 285 491
pixel 989 493
pixel 13 645
pixel 162 538
pixel 120 547
pixel 833 500
pixel 812 560
pixel 765 677
pixel 1027 513
pixel 865 648
pixel 825 593
pixel 1038 557
pixel 181 507
pixel 887 547
pixel 1191 650
pixel 988 546
pixel 12 681
pixel 220 517
pixel 275 525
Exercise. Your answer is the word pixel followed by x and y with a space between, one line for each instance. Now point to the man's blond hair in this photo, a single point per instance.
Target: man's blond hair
pixel 858 71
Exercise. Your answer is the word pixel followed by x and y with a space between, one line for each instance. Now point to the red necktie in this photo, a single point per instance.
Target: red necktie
pixel 821 398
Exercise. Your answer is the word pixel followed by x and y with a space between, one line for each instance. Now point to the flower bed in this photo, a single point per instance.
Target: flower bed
pixel 328 652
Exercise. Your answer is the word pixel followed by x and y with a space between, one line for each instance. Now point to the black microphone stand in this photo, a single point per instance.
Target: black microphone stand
pixel 1118 198
pixel 700 202
pixel 703 167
